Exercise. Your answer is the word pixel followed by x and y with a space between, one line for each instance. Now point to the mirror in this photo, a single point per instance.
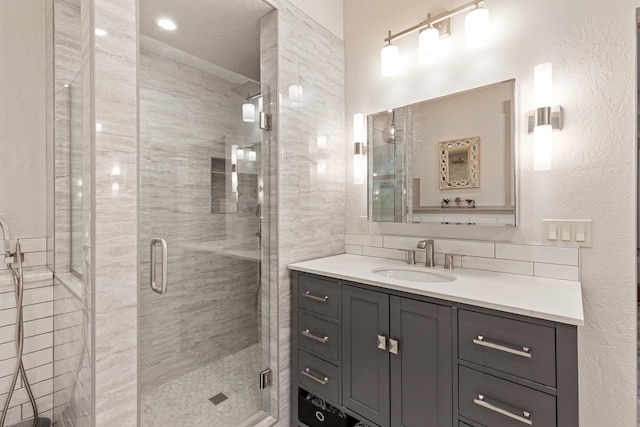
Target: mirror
pixel 448 160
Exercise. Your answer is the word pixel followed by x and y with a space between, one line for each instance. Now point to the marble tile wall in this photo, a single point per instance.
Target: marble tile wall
pixel 187 117
pixel 311 160
pixel 109 65
pixel 530 260
pixel 38 332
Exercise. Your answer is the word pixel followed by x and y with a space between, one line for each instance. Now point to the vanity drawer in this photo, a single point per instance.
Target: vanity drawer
pixel 318 335
pixel 495 402
pixel 317 376
pixel 511 346
pixel 318 296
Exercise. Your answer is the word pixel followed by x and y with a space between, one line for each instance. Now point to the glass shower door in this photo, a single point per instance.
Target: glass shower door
pixel 203 238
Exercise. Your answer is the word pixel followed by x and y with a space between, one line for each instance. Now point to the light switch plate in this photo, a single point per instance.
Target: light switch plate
pixel 567 232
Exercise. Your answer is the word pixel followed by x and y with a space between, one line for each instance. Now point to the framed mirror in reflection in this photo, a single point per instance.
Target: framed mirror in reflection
pixel 425 164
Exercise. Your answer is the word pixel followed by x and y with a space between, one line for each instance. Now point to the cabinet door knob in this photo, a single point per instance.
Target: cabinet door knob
pixel 393 346
pixel 382 342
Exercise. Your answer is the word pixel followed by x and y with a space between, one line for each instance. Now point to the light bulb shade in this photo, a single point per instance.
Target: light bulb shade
pixel 476 27
pixel 543 85
pixel 358 127
pixel 295 96
pixel 251 155
pixel 240 154
pixel 542 148
pixel 428 45
pixel 248 112
pixel 389 60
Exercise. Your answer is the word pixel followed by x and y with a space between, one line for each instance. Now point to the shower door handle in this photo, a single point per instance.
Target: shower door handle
pixel 154 243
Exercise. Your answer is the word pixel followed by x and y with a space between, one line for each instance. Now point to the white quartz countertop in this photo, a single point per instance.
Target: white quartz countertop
pixel 549 299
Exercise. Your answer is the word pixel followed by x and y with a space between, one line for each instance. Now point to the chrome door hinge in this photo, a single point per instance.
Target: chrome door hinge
pixel 265 121
pixel 266 378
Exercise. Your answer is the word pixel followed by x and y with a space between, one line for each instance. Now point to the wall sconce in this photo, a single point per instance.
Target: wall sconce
pixel 251 155
pixel 359 165
pixel 544 118
pixel 432 30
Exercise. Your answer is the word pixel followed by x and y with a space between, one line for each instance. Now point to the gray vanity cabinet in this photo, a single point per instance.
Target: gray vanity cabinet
pixel 397 359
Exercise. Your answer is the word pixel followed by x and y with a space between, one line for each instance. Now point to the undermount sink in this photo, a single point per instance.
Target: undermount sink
pixel 415 274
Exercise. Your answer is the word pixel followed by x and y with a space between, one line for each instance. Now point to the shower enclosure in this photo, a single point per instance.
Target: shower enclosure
pixel 203 336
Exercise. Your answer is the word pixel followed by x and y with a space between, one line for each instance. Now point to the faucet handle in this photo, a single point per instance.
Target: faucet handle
pixel 411 256
pixel 448 261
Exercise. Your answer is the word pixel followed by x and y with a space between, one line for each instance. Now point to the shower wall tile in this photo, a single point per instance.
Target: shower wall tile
pixel 38 343
pixel 311 163
pixel 209 310
pixel 110 212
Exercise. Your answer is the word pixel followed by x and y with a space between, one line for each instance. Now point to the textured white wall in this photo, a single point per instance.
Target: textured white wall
pixel 22 116
pixel 592 47
pixel 327 13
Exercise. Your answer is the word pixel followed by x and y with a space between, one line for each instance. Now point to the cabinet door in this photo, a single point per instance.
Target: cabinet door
pixel 365 371
pixel 421 371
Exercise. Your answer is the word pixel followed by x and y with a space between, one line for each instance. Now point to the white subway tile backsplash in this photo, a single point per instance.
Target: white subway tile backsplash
pixel 31 344
pixel 353 249
pixel 531 260
pixel 555 271
pixel 545 254
pixel 383 253
pixel 500 265
pixel 469 248
pixel 363 239
pixel 14 415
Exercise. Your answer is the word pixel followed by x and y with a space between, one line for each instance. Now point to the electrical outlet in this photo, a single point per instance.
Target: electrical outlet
pixel 567 232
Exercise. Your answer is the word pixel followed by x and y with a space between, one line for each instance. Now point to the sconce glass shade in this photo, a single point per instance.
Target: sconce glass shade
pixel 358 127
pixel 543 85
pixel 476 27
pixel 389 60
pixel 359 165
pixel 251 155
pixel 428 44
pixel 248 112
pixel 295 96
pixel 542 148
pixel 240 154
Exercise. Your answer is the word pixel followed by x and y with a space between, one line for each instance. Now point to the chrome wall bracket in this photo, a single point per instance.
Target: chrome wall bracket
pixel 542 114
pixel 266 378
pixel 265 121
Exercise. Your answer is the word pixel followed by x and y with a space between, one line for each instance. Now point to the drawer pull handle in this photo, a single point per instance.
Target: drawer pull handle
pixel 308 334
pixel 525 352
pixel 382 342
pixel 525 418
pixel 315 298
pixel 313 377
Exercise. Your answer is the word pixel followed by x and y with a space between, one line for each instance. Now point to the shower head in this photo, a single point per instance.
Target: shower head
pixel 389 134
pixel 7 237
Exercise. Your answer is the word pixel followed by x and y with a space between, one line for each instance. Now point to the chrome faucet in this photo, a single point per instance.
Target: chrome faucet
pixel 430 260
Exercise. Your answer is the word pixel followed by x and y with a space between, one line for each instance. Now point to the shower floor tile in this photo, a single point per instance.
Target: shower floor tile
pixel 184 401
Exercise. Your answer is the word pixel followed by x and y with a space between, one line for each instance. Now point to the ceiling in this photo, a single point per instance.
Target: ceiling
pixel 223 32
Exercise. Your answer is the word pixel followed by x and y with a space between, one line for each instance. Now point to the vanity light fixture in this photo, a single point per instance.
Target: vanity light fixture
pixel 432 30
pixel 166 24
pixel 100 32
pixel 251 155
pixel 359 165
pixel 544 118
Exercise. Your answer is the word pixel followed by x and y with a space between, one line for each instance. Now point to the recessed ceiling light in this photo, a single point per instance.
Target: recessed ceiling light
pixel 100 32
pixel 166 24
